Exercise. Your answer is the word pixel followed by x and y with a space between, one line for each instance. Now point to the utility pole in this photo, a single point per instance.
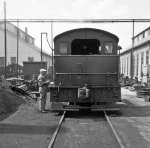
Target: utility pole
pixel 5 39
pixel 131 66
pixel 52 50
pixel 17 48
pixel 41 50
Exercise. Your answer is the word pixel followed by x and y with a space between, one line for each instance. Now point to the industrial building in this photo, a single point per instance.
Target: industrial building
pixel 141 56
pixel 27 51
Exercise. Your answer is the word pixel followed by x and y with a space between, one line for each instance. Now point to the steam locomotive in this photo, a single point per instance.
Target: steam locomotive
pixel 86 66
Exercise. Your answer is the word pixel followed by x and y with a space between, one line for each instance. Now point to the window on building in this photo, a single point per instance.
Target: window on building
pixel 27 38
pixel 142 58
pixel 13 60
pixel 137 65
pixel 2 61
pixel 31 40
pixel 133 65
pixel 22 34
pixel 127 65
pixel 15 30
pixel 137 38
pixel 63 48
pixel 124 65
pixel 143 35
pixel 147 57
pixel 108 47
pixel 30 59
pixel 148 32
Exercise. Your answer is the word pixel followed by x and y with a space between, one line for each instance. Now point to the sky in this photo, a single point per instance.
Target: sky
pixel 78 9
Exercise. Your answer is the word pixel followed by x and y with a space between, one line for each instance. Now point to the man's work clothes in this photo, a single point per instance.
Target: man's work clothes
pixel 42 91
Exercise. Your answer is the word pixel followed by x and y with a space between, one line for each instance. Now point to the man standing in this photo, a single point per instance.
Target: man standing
pixel 43 86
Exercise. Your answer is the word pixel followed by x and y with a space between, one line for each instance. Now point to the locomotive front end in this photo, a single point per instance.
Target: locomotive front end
pixel 86 68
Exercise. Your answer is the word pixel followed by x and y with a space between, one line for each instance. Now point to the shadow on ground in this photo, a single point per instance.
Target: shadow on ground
pixel 27 129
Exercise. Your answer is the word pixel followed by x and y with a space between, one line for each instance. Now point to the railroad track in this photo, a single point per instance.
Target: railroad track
pixel 114 131
pixel 119 142
pixel 56 131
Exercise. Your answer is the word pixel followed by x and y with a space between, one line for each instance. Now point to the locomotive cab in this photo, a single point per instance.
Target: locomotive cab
pixel 86 68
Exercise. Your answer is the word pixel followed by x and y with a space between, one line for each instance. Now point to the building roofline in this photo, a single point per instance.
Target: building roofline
pixel 147 40
pixel 18 28
pixel 141 32
pixel 31 45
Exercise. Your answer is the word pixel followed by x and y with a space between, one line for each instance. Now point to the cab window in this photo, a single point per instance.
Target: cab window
pixel 85 47
pixel 108 47
pixel 63 48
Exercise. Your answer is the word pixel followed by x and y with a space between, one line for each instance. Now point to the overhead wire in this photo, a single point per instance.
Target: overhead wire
pixel 78 20
pixel 49 43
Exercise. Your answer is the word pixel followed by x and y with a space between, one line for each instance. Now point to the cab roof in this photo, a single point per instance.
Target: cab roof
pixel 86 29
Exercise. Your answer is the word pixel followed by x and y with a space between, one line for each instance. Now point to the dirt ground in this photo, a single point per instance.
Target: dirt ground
pixel 9 102
pixel 133 125
pixel 85 130
pixel 26 127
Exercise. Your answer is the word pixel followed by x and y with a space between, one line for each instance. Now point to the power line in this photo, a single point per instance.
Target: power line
pixel 78 20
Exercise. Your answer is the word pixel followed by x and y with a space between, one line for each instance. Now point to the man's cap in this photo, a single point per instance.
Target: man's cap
pixel 42 70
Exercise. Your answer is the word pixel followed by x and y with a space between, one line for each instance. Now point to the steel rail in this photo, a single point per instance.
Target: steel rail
pixel 114 131
pixel 51 144
pixel 78 20
pixel 56 131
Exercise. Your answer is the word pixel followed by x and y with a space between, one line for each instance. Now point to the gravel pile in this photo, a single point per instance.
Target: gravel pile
pixel 9 102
